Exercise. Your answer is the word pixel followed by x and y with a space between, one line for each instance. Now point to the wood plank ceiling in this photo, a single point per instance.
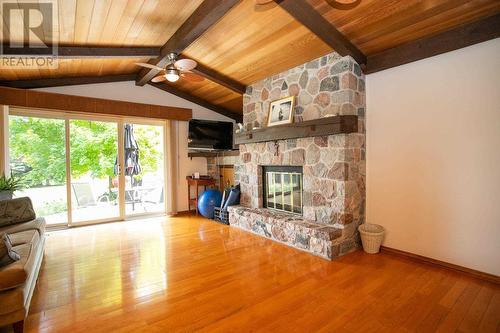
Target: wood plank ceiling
pixel 110 23
pixel 375 25
pixel 249 43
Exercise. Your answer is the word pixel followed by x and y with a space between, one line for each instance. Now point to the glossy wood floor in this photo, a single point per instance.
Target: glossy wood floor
pixel 188 274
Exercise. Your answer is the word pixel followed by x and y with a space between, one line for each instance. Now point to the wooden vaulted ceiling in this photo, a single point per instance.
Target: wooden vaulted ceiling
pixel 248 42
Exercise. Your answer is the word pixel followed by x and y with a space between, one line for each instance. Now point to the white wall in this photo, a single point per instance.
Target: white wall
pixel 128 91
pixel 433 156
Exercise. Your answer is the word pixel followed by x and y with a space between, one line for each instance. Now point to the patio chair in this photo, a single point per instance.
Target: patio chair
pixel 83 194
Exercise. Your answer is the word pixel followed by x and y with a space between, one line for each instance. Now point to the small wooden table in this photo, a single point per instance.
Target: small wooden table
pixel 197 183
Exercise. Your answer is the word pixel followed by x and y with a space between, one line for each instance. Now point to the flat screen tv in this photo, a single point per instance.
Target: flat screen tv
pixel 210 135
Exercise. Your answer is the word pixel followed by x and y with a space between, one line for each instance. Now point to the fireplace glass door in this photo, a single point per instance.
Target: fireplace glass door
pixel 283 188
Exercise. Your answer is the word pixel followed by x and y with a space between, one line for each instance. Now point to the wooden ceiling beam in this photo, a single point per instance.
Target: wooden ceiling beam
pixel 66 81
pixel 303 12
pixel 70 52
pixel 206 15
pixel 454 39
pixel 219 78
pixel 92 52
pixel 97 52
pixel 197 100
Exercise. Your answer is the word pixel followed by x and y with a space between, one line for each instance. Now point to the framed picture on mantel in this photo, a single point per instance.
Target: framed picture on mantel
pixel 281 111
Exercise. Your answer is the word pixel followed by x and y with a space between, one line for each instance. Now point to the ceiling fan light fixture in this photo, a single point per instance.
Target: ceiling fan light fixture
pixel 172 74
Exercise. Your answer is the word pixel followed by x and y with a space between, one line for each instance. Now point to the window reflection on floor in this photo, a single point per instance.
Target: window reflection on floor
pixel 150 277
pixel 138 271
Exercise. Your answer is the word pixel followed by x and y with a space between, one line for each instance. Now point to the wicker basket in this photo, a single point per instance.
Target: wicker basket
pixel 371 237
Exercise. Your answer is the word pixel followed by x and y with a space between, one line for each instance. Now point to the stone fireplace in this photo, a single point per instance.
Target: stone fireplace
pixel 325 174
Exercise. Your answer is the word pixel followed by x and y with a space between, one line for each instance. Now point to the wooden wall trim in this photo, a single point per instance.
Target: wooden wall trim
pixel 426 47
pixel 471 272
pixel 52 101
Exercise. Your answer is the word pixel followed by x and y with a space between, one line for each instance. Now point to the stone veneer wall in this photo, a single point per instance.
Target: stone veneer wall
pixel 333 166
pixel 333 174
pixel 330 85
pixel 213 169
pixel 213 164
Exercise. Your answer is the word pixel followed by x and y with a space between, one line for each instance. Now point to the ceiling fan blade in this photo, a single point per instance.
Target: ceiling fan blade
pixel 143 64
pixel 264 5
pixel 185 64
pixel 192 77
pixel 343 4
pixel 159 78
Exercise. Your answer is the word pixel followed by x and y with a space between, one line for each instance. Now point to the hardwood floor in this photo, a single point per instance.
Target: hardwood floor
pixel 186 274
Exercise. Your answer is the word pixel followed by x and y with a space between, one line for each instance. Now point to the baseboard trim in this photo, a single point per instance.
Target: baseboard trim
pixel 471 272
pixel 184 213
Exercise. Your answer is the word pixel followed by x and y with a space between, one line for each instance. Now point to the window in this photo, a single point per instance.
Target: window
pixel 80 169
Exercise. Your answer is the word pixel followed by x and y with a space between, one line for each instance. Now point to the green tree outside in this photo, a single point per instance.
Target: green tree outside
pixel 40 144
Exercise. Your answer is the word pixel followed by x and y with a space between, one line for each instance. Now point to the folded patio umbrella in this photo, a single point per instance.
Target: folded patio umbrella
pixel 131 150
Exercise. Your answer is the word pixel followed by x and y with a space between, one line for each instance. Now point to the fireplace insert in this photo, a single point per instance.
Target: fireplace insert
pixel 282 188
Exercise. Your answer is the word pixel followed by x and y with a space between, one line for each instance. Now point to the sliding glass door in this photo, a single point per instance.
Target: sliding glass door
pixel 37 154
pixel 144 168
pixel 82 170
pixel 94 170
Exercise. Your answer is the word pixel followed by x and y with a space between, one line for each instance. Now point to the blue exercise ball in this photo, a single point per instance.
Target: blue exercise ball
pixel 207 201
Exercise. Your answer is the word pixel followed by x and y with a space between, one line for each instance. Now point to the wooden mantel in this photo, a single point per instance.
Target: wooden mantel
pixel 89 105
pixel 317 127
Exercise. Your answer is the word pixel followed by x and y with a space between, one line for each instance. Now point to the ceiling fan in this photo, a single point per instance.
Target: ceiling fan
pixel 174 70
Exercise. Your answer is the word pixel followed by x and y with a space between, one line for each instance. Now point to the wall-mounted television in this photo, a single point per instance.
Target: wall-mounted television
pixel 210 135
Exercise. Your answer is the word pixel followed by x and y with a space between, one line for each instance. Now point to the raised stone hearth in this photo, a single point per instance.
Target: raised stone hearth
pixel 316 238
pixel 333 166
